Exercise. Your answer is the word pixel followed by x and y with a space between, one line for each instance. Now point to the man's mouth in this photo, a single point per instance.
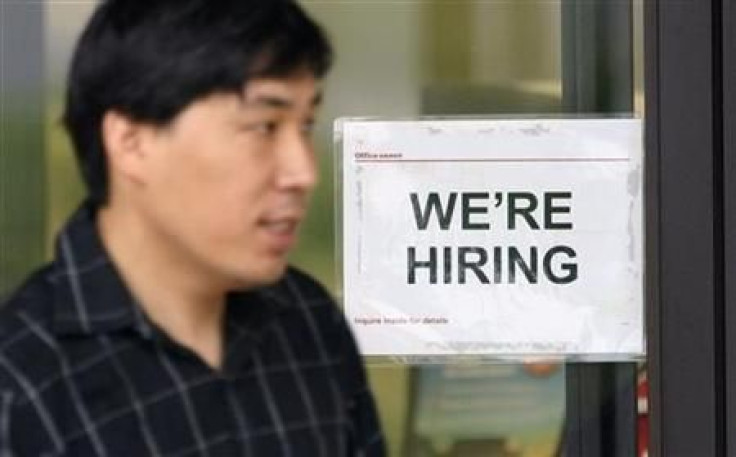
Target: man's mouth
pixel 281 232
pixel 280 226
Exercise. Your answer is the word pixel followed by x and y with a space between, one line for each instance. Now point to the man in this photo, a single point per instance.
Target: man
pixel 169 323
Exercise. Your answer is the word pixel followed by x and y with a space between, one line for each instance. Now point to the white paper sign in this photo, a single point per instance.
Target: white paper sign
pixel 496 237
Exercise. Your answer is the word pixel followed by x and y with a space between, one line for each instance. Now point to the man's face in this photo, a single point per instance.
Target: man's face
pixel 229 181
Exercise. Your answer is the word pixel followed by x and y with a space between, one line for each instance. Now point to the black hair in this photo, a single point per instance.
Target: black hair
pixel 150 59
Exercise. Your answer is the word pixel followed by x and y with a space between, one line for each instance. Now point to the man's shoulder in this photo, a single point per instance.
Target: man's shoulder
pixel 32 301
pixel 25 323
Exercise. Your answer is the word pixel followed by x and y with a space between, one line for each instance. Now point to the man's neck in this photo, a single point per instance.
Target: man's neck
pixel 170 291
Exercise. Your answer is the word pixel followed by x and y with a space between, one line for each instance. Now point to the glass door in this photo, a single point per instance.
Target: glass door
pixel 476 58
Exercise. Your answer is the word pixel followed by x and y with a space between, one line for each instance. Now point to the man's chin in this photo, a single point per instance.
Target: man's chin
pixel 256 279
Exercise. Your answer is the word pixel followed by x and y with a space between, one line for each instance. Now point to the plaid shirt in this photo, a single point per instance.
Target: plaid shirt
pixel 84 373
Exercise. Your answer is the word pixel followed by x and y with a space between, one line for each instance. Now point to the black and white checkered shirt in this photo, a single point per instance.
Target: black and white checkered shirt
pixel 84 373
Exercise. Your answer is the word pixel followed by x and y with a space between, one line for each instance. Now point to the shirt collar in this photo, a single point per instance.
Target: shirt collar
pixel 91 297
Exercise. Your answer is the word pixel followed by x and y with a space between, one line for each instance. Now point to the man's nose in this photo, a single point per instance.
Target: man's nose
pixel 297 163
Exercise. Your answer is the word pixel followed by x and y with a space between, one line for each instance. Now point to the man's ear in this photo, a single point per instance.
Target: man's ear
pixel 126 145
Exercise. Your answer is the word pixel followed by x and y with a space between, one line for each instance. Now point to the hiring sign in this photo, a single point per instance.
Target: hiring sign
pixel 495 237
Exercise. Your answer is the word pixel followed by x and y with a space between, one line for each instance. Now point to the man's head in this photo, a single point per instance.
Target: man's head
pixel 197 114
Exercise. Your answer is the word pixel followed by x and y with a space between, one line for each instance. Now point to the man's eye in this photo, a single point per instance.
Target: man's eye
pixel 267 128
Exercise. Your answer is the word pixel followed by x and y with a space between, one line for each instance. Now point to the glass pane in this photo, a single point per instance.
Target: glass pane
pixel 22 173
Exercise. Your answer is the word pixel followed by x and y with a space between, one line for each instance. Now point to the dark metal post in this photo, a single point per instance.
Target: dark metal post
pixel 727 53
pixel 685 250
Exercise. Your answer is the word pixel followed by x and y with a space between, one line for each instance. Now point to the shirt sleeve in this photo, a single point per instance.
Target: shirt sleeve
pixel 367 438
pixel 6 405
pixel 26 428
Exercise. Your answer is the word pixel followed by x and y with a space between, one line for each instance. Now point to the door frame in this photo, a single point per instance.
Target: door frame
pixel 687 218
